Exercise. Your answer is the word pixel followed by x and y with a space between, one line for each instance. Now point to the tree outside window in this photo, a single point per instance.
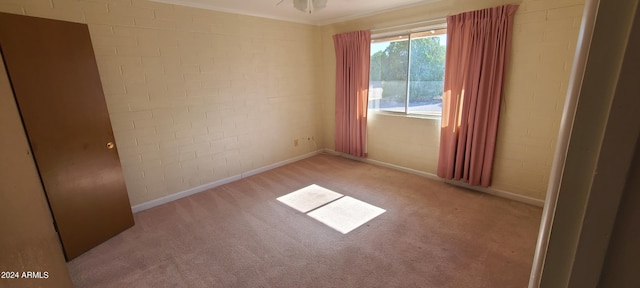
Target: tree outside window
pixel 410 65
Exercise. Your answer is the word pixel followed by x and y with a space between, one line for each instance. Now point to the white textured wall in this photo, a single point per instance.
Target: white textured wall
pixel 194 95
pixel 544 41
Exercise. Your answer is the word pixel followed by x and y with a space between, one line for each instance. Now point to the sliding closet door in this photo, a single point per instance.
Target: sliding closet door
pixel 54 76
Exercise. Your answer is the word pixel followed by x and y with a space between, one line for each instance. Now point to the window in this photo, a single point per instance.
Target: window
pixel 407 72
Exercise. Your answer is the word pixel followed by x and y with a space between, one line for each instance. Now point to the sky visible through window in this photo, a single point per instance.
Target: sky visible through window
pixel 380 46
pixel 410 83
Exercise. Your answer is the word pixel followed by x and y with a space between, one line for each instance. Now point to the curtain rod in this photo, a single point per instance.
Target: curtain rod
pixel 435 21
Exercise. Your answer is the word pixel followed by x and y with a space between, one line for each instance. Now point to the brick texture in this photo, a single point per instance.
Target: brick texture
pixel 543 46
pixel 196 96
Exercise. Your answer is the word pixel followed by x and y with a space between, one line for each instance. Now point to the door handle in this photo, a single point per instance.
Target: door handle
pixel 110 145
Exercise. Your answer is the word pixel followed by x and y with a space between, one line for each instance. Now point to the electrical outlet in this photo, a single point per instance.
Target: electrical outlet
pixel 295 142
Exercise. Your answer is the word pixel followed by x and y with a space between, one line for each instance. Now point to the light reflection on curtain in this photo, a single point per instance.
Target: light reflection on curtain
pixel 352 89
pixel 478 44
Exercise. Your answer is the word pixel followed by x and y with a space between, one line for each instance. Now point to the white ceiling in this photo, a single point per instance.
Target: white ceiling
pixel 336 10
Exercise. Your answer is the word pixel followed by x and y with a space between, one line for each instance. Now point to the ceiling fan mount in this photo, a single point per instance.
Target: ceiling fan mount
pixel 307 6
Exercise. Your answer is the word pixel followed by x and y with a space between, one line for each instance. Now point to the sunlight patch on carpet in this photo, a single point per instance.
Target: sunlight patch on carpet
pixel 342 213
pixel 309 198
pixel 346 214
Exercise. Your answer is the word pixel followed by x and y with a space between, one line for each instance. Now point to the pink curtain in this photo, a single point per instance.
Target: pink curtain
pixel 478 44
pixel 352 89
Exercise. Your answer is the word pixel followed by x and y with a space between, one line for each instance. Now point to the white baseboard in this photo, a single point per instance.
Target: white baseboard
pixel 194 190
pixel 182 194
pixel 492 191
pixel 499 193
pixel 281 163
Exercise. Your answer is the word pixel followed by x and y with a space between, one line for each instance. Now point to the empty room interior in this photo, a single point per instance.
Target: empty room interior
pixel 219 143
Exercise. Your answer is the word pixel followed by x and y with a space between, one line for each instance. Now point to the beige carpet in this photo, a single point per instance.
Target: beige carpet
pixel 238 235
pixel 346 214
pixel 309 198
pixel 342 213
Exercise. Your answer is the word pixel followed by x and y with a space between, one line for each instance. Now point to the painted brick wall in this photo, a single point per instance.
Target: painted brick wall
pixel 196 96
pixel 544 42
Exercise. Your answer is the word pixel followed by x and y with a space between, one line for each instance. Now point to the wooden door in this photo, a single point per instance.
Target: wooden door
pixel 55 80
pixel 27 240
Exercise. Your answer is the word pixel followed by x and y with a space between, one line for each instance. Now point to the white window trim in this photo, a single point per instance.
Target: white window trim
pixel 393 32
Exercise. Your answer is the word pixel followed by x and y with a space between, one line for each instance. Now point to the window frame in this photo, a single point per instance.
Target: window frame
pixel 407 34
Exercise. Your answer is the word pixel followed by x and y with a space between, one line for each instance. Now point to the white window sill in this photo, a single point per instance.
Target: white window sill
pixel 404 115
